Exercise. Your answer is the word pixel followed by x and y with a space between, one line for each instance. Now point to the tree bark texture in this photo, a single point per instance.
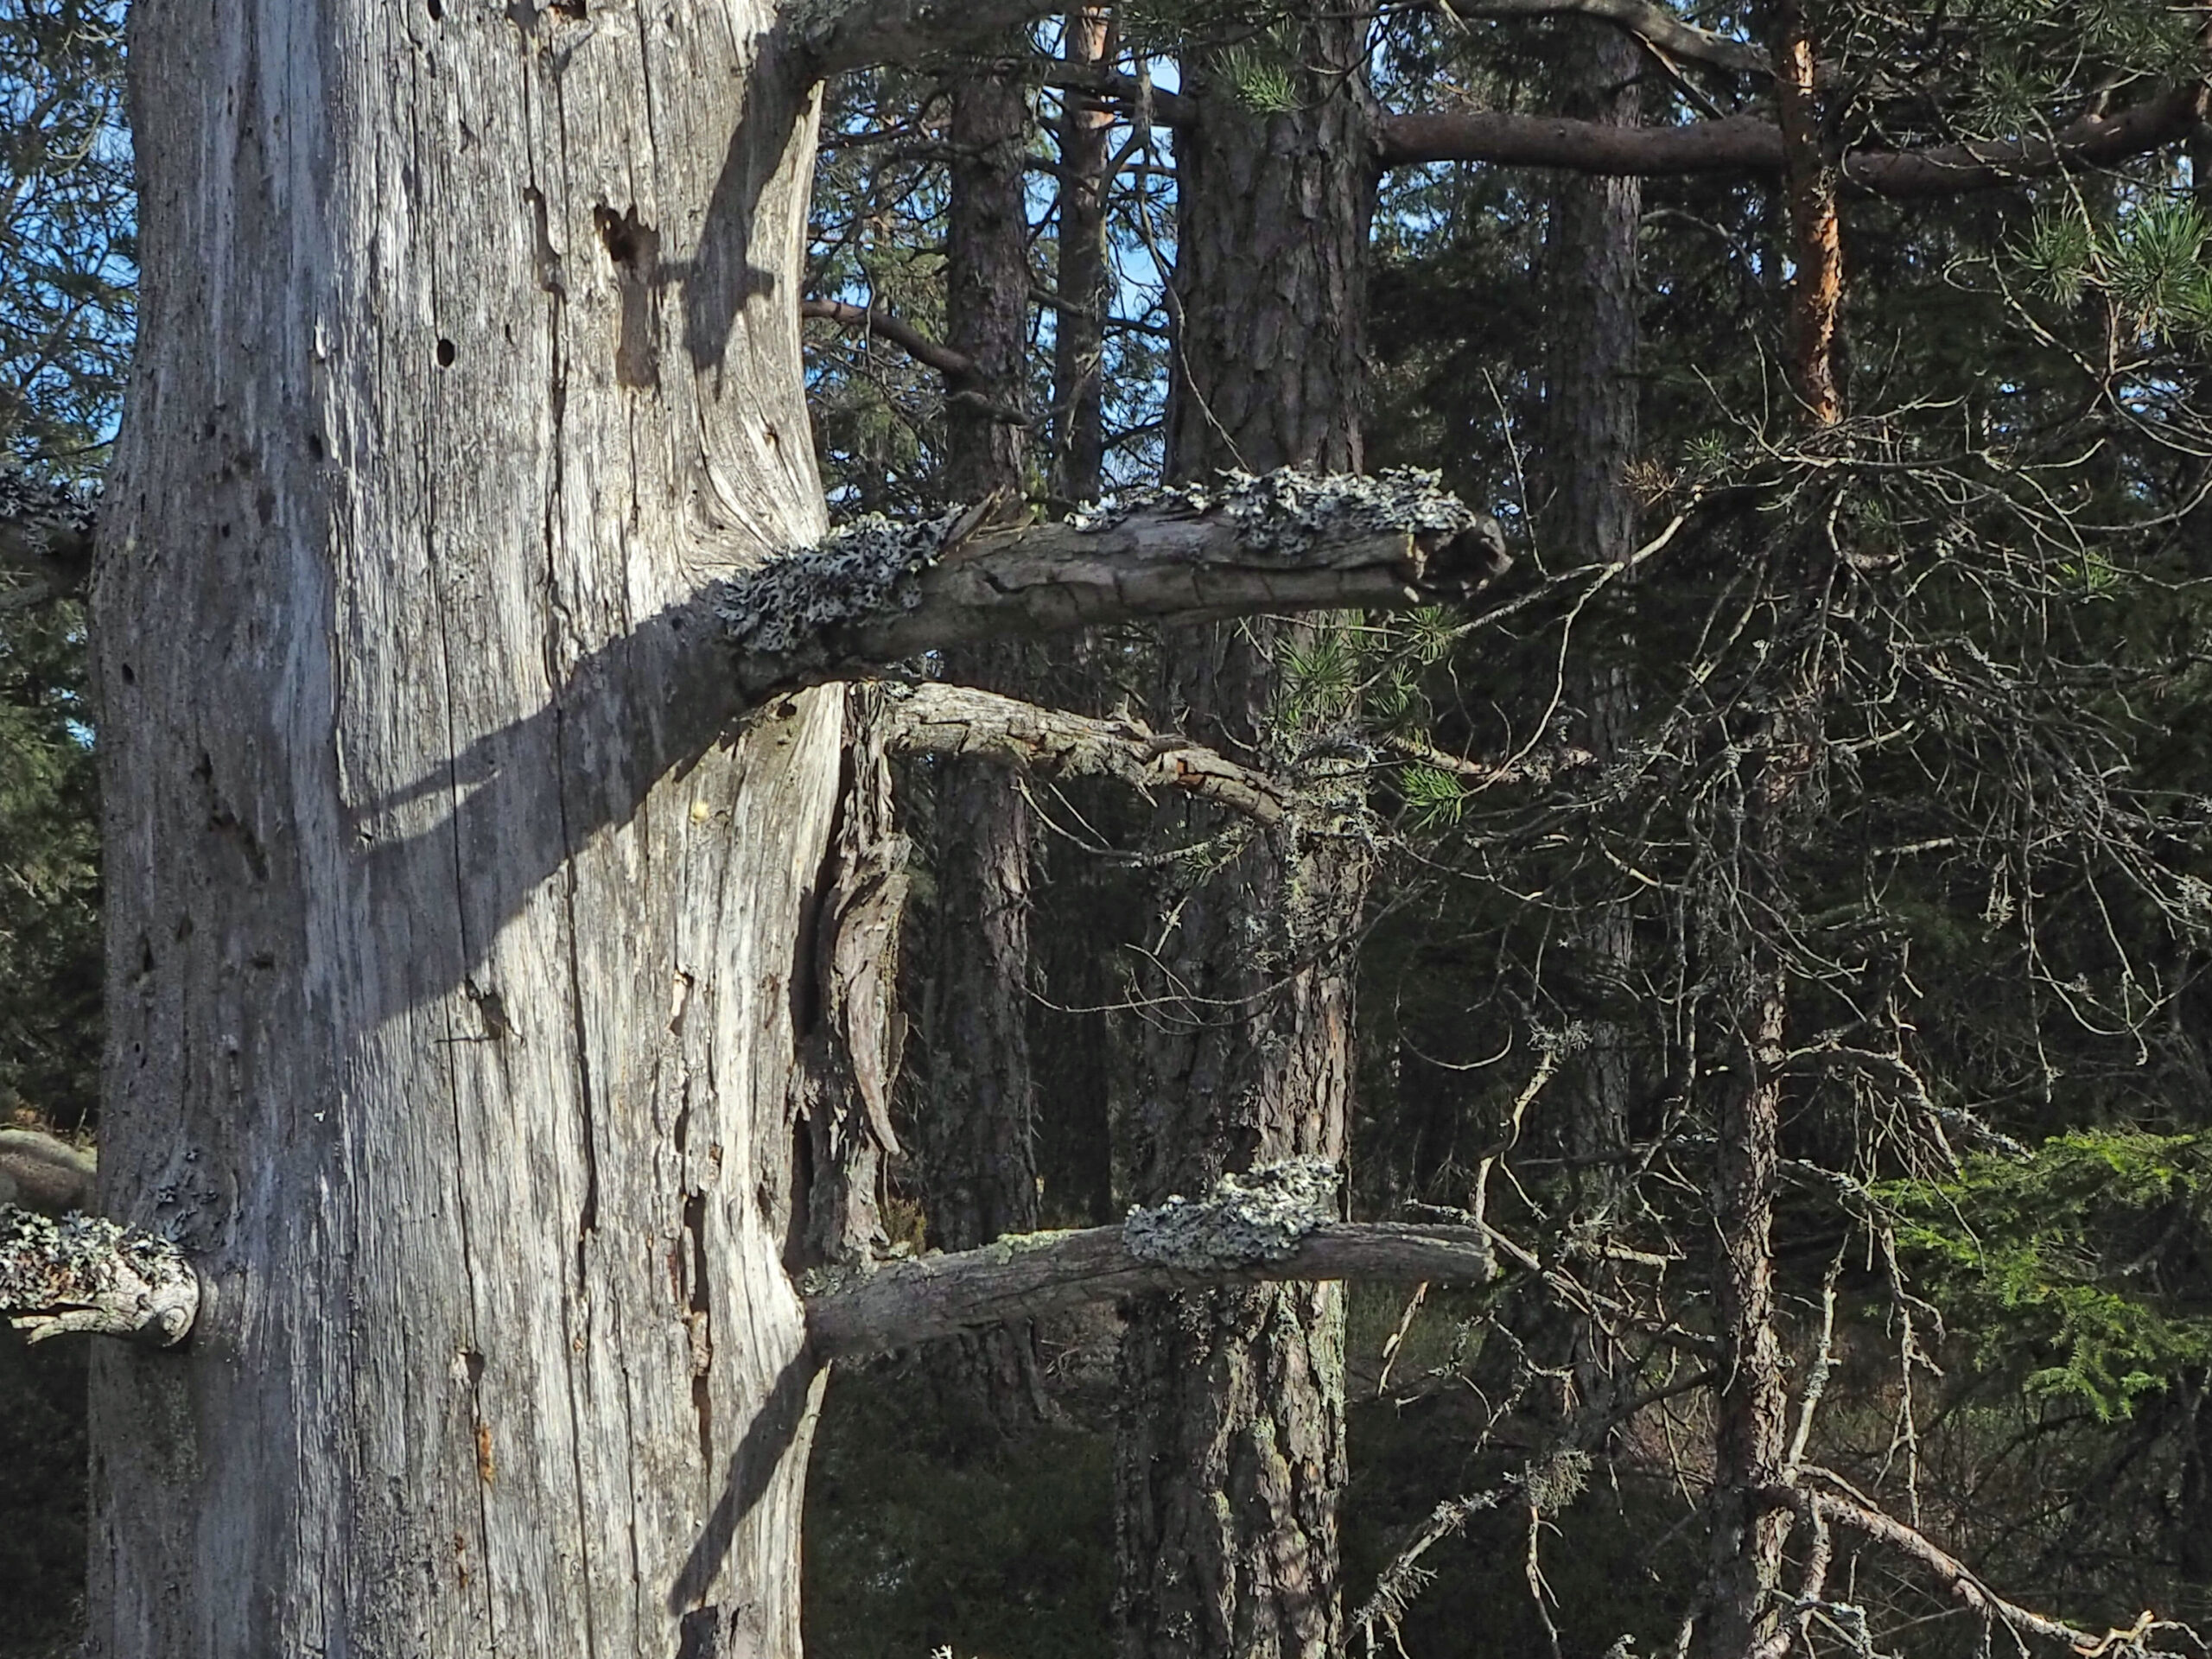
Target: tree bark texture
pixel 1084 283
pixel 1593 337
pixel 456 967
pixel 1809 175
pixel 1750 1428
pixel 978 1162
pixel 1230 1459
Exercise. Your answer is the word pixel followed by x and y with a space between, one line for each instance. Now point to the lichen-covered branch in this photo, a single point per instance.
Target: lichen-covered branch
pixel 1271 1224
pixel 90 1276
pixel 877 592
pixel 45 534
pixel 957 720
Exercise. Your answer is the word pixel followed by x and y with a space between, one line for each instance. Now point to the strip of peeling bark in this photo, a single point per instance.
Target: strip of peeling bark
pixel 957 720
pixel 85 1275
pixel 878 593
pixel 1041 1272
pixel 1748 144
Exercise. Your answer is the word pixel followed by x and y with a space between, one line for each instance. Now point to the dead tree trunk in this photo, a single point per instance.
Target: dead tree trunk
pixel 455 979
pixel 1231 1449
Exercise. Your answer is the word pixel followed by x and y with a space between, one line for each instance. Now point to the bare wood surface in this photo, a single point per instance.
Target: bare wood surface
pixel 959 720
pixel 1035 1274
pixel 1749 144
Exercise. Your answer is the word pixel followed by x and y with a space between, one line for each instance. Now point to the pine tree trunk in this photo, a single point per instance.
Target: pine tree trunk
pixel 979 1174
pixel 1593 337
pixel 1231 1453
pixel 456 966
pixel 1085 283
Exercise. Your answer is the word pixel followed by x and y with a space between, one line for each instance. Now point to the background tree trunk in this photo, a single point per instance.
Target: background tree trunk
pixel 977 1136
pixel 1592 339
pixel 455 971
pixel 1085 284
pixel 1230 1459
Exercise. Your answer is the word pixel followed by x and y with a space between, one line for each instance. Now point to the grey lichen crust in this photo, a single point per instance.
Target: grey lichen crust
pixel 1287 513
pixel 1261 1216
pixel 862 569
pixel 85 1274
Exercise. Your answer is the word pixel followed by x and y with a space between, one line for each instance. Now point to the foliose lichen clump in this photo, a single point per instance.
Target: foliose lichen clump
pixel 1289 512
pixel 860 569
pixel 1261 1216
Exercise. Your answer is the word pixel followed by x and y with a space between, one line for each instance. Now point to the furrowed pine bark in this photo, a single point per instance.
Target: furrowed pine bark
pixel 468 356
pixel 978 1166
pixel 1083 284
pixel 1591 342
pixel 1230 1456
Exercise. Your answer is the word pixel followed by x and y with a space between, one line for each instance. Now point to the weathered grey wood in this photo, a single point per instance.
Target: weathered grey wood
pixel 452 955
pixel 931 718
pixel 1034 1274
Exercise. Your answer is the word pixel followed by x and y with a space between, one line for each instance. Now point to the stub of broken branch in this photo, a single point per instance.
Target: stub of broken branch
pixel 89 1276
pixel 1266 1226
pixel 878 592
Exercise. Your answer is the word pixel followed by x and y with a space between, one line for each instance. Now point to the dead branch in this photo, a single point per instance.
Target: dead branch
pixel 83 1274
pixel 1910 1541
pixel 1649 22
pixel 1749 144
pixel 957 720
pixel 1269 1225
pixel 879 592
pixel 954 365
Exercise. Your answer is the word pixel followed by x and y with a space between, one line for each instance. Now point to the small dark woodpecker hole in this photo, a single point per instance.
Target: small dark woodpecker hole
pixel 446 354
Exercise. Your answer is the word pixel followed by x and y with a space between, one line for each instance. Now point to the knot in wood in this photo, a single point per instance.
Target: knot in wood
pixel 1261 1216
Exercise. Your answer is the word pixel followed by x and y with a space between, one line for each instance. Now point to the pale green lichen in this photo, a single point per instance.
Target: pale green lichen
pixel 1262 1215
pixel 860 570
pixel 1289 512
